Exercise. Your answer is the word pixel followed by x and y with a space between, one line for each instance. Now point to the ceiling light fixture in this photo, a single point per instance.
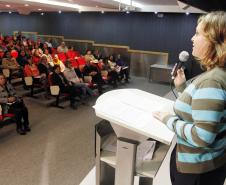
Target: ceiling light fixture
pixel 42 14
pixel 56 3
pixel 7 5
pixel 39 9
pixel 130 3
pixel 10 12
pixel 26 5
pixel 102 11
pixel 59 12
pixel 187 13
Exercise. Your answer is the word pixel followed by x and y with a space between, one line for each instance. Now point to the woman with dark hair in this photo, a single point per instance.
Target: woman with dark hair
pixel 22 59
pixel 199 157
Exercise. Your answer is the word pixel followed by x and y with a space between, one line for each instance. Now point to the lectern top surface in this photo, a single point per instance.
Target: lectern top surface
pixel 132 109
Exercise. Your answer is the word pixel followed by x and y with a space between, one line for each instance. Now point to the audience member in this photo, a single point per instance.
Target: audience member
pixel 124 71
pixel 89 56
pixel 90 70
pixel 22 59
pixel 11 103
pixel 112 74
pixel 72 77
pixel 59 79
pixel 62 48
pixel 58 62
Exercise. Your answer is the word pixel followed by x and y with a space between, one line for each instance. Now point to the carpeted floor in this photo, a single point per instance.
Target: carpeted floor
pixel 60 148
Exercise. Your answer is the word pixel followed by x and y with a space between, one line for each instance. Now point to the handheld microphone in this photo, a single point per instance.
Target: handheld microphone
pixel 183 57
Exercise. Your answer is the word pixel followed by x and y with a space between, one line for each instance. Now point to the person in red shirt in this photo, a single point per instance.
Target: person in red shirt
pixel 36 57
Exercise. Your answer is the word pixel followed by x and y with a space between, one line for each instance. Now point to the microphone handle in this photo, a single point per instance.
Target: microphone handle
pixel 178 66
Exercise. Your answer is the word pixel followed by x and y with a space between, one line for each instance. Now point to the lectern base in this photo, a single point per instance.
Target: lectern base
pixel 125 160
pixel 90 179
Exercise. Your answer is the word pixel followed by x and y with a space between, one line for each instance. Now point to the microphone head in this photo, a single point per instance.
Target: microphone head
pixel 183 56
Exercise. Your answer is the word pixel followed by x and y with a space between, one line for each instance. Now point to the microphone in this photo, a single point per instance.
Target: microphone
pixel 183 57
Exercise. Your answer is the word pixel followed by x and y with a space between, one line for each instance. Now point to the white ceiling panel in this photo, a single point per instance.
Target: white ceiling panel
pixel 93 5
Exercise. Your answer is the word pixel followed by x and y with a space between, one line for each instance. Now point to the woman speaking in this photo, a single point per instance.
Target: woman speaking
pixel 199 122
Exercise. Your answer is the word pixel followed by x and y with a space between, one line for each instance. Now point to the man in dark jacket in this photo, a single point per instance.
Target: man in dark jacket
pixel 91 70
pixel 65 87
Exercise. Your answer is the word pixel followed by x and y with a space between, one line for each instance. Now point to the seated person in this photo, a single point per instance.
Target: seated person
pixel 62 48
pixel 97 55
pixel 6 58
pixel 49 43
pixel 72 77
pixel 45 46
pixel 124 72
pixel 89 56
pixel 45 69
pixel 49 57
pixel 44 66
pixel 59 79
pixel 12 65
pixel 36 56
pixel 112 74
pixel 113 65
pixel 91 70
pixel 22 59
pixel 57 61
pixel 11 103
pixel 31 70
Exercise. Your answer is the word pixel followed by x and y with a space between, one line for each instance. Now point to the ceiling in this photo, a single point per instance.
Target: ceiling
pixel 27 6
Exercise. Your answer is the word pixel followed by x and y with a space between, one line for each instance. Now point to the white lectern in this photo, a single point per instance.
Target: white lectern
pixel 130 113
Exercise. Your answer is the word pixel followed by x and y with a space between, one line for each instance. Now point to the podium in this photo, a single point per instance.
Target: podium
pixel 129 112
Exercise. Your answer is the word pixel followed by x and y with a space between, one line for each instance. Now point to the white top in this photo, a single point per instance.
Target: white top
pixel 132 109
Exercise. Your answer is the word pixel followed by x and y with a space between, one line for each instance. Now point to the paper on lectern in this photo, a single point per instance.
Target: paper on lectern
pixel 133 109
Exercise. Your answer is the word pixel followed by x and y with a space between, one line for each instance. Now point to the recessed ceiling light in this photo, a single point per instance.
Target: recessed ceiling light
pixel 127 12
pixel 42 13
pixel 10 12
pixel 102 11
pixel 187 13
pixel 59 12
pixel 156 12
pixel 26 5
pixel 7 5
pixel 39 9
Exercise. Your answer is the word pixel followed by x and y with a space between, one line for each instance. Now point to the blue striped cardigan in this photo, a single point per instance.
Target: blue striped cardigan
pixel 200 123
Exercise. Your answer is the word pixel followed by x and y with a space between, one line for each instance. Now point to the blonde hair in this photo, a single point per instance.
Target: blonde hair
pixel 214 27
